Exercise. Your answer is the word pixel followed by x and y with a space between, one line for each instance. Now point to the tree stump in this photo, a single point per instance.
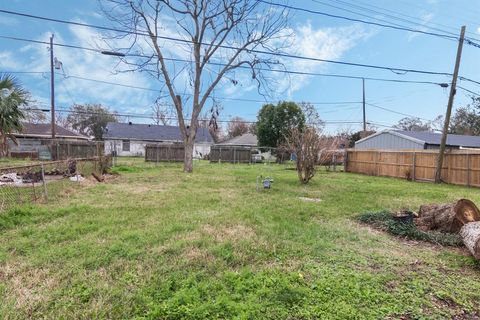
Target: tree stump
pixel 448 217
pixel 470 234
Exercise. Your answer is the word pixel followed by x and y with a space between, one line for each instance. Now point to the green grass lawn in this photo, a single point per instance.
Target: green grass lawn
pixel 13 162
pixel 156 243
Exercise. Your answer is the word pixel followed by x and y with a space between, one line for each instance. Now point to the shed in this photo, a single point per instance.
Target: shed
pixel 408 140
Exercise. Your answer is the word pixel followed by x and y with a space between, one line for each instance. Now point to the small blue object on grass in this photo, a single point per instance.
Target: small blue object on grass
pixel 266 182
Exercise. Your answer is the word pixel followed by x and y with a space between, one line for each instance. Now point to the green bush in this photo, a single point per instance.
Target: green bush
pixel 384 221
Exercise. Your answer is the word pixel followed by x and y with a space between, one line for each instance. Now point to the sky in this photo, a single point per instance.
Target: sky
pixel 313 35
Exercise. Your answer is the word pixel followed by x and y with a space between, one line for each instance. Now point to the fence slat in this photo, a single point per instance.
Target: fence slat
pixel 459 165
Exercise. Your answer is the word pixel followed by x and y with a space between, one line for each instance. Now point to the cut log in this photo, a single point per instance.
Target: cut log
pixel 448 217
pixel 97 177
pixel 470 234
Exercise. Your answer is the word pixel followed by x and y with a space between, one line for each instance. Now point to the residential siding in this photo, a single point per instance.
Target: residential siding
pixel 386 140
pixel 137 148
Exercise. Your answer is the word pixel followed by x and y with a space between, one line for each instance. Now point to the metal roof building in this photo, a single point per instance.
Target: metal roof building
pixel 246 139
pixel 405 140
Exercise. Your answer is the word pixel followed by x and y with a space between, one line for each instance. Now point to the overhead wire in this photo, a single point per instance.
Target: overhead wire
pixel 285 71
pixel 277 54
pixel 402 28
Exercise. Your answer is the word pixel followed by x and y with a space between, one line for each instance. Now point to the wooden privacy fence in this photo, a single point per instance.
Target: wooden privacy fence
pixel 460 167
pixel 62 150
pixel 234 154
pixel 58 149
pixel 164 152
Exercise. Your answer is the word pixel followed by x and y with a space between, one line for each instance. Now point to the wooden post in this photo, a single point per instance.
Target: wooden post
pixel 44 184
pixel 334 161
pixel 414 162
pixel 468 169
pixel 345 161
pixel 438 172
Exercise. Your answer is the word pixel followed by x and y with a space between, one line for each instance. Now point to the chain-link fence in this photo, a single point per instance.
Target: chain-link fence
pixel 47 181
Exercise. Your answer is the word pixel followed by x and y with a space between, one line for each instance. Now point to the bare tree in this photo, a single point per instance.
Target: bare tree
pixel 34 115
pixel 312 117
pixel 210 120
pixel 311 148
pixel 161 113
pixel 217 36
pixel 236 127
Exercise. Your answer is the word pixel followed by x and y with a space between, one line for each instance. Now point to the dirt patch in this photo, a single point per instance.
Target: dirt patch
pixel 27 287
pixel 195 254
pixel 228 233
pixel 305 199
pixel 140 188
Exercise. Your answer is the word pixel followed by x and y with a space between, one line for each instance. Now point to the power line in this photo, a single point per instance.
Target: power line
pixel 395 15
pixel 391 24
pixel 286 71
pixel 66 76
pixel 469 91
pixel 397 112
pixel 398 27
pixel 277 54
pixel 145 116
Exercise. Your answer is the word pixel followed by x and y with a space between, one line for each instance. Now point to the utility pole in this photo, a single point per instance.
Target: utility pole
pixel 364 114
pixel 438 172
pixel 52 89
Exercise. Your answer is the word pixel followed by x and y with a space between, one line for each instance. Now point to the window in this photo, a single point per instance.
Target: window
pixel 125 145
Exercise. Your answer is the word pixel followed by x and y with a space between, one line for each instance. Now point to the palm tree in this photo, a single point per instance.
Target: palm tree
pixel 12 96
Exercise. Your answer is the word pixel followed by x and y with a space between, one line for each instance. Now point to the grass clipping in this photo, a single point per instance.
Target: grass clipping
pixel 384 221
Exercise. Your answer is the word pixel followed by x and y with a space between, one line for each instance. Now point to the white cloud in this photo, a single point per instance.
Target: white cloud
pixel 478 30
pixel 92 65
pixel 324 43
pixel 8 21
pixel 7 62
pixel 425 18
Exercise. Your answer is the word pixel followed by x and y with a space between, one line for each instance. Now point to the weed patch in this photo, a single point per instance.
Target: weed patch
pixel 384 221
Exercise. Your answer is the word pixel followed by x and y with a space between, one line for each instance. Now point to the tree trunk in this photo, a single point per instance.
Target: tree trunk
pixel 471 237
pixel 448 217
pixel 188 160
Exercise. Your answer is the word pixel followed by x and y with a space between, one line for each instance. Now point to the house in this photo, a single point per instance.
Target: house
pixel 407 140
pixel 129 139
pixel 42 131
pixel 35 138
pixel 245 140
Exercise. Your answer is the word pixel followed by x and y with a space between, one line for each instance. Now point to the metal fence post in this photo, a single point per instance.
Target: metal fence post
pixel 44 184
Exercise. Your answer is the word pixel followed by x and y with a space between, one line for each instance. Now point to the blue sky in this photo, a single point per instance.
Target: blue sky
pixel 315 35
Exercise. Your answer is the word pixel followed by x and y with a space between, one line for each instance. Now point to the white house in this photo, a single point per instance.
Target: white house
pixel 129 139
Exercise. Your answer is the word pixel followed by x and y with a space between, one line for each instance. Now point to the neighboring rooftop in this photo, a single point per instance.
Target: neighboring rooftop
pixel 247 139
pixel 433 138
pixel 151 132
pixel 44 130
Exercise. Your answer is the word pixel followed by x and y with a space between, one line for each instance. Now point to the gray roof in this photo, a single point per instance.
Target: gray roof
pixel 246 139
pixel 44 130
pixel 151 132
pixel 433 138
